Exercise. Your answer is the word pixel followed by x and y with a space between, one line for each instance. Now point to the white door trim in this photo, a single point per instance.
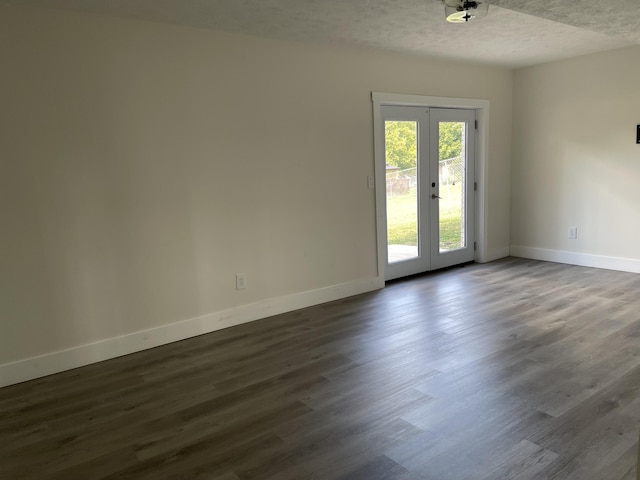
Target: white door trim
pixel 482 171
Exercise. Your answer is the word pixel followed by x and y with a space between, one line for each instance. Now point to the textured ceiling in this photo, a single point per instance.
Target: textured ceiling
pixel 514 33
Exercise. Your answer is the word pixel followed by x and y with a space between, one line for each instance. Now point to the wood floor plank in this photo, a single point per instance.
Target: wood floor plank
pixel 513 370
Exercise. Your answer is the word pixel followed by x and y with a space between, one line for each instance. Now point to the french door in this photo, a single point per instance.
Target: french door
pixel 429 179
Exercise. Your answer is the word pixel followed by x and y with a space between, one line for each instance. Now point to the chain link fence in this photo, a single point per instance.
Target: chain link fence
pixel 450 171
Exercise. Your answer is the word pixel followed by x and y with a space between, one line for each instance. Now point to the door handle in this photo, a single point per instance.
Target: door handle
pixel 434 196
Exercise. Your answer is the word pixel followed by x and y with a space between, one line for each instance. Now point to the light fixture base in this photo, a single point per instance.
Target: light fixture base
pixel 460 17
pixel 463 11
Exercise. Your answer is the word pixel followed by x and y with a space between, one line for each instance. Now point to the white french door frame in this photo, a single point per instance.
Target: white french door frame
pixel 481 168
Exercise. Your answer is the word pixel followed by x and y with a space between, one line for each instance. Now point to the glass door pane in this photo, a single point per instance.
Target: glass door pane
pixel 452 185
pixel 401 173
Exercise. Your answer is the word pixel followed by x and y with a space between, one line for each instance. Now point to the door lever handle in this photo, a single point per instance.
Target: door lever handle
pixel 434 196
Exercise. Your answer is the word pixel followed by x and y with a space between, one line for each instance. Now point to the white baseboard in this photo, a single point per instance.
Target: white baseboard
pixel 574 258
pixel 35 367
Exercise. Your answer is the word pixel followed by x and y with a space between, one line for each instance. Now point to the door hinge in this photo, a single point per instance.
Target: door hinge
pixel 475 245
pixel 475 186
pixel 476 124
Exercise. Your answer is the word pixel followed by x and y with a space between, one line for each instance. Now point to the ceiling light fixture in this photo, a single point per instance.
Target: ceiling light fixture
pixel 461 11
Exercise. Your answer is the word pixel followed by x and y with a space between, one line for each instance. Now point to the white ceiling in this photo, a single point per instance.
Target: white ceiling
pixel 515 33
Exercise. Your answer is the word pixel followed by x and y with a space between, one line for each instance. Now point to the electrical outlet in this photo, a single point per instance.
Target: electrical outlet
pixel 573 233
pixel 371 183
pixel 241 281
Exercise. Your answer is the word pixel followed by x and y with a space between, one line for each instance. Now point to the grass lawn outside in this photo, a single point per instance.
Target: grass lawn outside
pixel 402 213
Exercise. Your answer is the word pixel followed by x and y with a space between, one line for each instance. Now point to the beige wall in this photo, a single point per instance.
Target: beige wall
pixel 575 161
pixel 143 165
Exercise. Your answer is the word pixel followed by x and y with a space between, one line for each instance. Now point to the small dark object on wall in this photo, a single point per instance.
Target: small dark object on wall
pixel 638 134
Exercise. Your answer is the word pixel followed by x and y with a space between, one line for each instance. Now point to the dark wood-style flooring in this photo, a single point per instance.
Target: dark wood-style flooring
pixel 516 369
